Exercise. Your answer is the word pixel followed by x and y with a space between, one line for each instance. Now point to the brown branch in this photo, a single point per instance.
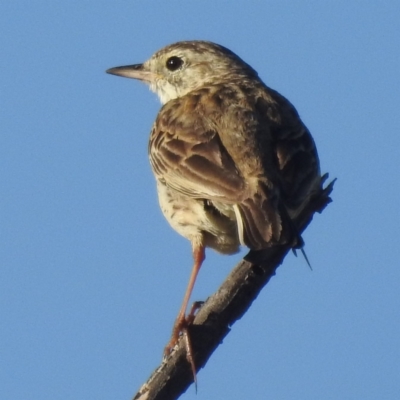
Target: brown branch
pixel 222 310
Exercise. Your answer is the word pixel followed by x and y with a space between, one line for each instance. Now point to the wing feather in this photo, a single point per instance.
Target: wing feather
pixel 249 152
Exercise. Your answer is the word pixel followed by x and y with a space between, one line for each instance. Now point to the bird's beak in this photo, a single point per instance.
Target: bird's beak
pixel 136 71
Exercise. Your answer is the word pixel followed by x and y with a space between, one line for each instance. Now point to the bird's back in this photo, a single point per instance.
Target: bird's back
pixel 240 147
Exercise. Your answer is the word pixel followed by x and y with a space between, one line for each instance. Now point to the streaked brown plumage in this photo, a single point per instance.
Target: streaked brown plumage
pixel 234 164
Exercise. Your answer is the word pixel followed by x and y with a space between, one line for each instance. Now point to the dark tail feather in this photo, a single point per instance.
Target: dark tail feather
pixel 289 235
pixel 304 255
pixel 261 224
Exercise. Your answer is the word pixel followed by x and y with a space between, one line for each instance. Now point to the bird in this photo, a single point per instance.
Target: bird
pixel 233 162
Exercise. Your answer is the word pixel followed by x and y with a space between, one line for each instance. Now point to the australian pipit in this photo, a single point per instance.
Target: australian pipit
pixel 233 162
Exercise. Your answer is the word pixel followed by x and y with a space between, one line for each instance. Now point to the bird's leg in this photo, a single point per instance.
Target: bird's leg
pixel 181 322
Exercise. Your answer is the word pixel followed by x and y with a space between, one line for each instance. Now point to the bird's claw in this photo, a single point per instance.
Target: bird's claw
pixel 181 329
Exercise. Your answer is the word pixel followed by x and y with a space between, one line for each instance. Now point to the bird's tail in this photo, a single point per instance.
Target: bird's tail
pixel 264 223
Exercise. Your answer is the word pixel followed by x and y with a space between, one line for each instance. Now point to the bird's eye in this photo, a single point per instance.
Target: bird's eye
pixel 173 63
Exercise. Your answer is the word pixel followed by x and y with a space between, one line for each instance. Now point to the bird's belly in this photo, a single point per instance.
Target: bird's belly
pixel 193 219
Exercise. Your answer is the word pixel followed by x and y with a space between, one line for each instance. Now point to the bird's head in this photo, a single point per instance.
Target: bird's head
pixel 183 67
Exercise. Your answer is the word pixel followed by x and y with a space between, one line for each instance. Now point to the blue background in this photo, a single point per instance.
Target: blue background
pixel 92 276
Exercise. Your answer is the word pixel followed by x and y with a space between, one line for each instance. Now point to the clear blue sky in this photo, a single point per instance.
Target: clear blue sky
pixel 92 276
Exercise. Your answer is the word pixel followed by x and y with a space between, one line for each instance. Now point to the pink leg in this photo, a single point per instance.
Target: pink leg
pixel 181 322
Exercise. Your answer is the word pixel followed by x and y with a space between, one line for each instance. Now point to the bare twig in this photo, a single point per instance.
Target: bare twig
pixel 216 316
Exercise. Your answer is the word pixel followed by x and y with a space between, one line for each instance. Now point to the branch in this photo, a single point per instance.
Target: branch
pixel 214 319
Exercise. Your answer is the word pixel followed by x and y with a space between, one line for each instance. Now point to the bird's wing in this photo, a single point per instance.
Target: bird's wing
pixel 296 154
pixel 189 157
pixel 220 148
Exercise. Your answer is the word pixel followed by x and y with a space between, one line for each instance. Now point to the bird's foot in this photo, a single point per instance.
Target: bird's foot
pixel 181 325
pixel 181 329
